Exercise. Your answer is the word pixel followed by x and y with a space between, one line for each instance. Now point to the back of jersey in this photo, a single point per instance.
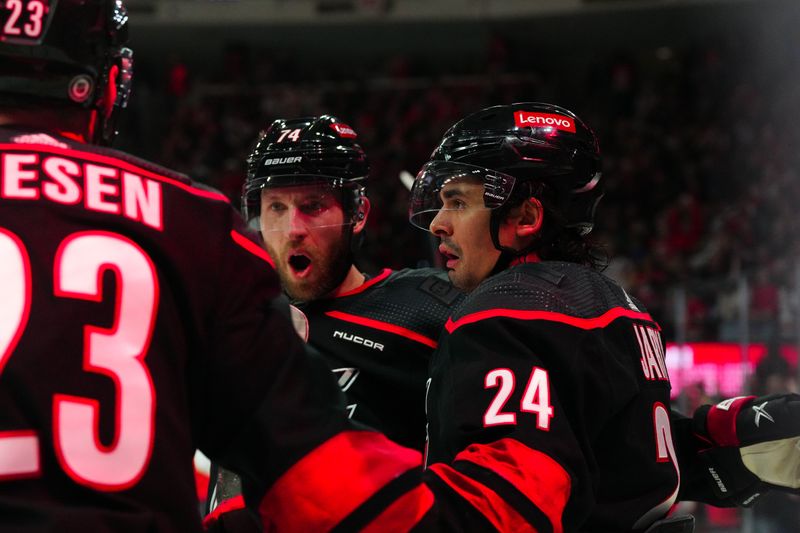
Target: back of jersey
pixel 122 286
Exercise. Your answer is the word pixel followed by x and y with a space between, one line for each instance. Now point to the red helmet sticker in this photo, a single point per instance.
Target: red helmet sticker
pixel 530 119
pixel 344 130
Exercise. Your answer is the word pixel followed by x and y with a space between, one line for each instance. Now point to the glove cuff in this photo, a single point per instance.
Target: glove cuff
pixel 718 423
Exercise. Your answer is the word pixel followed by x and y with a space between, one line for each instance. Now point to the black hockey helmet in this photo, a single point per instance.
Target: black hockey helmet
pixel 516 151
pixel 65 52
pixel 314 150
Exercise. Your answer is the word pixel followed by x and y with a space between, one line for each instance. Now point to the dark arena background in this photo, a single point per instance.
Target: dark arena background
pixel 696 104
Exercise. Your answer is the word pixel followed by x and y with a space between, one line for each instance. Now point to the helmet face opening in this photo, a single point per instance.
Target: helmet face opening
pixel 276 203
pixel 451 186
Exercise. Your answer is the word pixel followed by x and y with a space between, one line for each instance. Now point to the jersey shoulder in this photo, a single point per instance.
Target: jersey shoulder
pixel 420 300
pixel 550 286
pixel 55 145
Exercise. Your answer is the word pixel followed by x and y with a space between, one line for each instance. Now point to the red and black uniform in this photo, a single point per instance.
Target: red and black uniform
pixel 549 403
pixel 548 411
pixel 139 322
pixel 377 339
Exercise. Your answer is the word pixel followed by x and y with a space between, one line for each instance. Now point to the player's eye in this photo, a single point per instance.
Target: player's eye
pixel 313 207
pixel 455 203
pixel 276 207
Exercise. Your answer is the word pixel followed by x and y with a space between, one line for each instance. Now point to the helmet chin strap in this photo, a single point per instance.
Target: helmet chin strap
pixel 507 255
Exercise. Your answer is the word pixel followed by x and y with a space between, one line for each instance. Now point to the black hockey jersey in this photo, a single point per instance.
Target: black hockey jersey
pixel 548 410
pixel 127 294
pixel 549 405
pixel 378 339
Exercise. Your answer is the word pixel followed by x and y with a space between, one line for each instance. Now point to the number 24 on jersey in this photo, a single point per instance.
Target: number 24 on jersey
pixel 535 400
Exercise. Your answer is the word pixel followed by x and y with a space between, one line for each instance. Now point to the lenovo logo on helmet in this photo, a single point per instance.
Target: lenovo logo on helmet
pixel 282 160
pixel 529 119
pixel 344 130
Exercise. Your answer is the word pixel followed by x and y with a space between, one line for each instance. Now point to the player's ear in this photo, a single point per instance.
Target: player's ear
pixel 530 219
pixel 362 212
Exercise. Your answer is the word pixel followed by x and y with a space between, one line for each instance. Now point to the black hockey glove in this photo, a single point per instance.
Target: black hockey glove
pixel 754 446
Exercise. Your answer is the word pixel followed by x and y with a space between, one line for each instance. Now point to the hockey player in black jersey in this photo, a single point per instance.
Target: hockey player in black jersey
pixel 549 396
pixel 138 319
pixel 305 193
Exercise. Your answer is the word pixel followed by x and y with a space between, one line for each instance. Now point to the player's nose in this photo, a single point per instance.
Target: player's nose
pixel 440 225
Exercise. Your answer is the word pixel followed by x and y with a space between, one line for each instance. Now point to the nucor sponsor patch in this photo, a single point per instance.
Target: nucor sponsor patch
pixel 528 119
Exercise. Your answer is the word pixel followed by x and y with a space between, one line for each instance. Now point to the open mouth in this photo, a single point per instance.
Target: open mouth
pixel 299 263
pixel 450 257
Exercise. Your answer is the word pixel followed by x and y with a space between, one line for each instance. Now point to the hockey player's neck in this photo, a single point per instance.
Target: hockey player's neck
pixel 352 280
pixel 532 257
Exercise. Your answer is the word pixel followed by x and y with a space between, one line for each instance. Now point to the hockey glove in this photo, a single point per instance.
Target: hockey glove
pixel 754 446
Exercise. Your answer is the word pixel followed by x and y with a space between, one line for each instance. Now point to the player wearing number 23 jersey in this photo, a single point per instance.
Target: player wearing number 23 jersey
pixel 127 295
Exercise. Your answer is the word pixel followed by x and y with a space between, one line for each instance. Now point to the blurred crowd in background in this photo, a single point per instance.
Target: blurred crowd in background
pixel 701 155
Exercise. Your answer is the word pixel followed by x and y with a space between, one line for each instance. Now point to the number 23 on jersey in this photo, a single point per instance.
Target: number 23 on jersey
pixel 117 353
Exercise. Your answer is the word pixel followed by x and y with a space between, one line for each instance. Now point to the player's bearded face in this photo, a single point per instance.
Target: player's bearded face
pixel 462 225
pixel 305 233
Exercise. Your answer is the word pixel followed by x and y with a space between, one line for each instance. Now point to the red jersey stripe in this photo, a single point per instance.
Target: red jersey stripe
pixel 383 326
pixel 404 513
pixel 535 474
pixel 226 506
pixel 499 512
pixel 333 480
pixel 367 284
pixel 117 163
pixel 251 247
pixel 521 314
